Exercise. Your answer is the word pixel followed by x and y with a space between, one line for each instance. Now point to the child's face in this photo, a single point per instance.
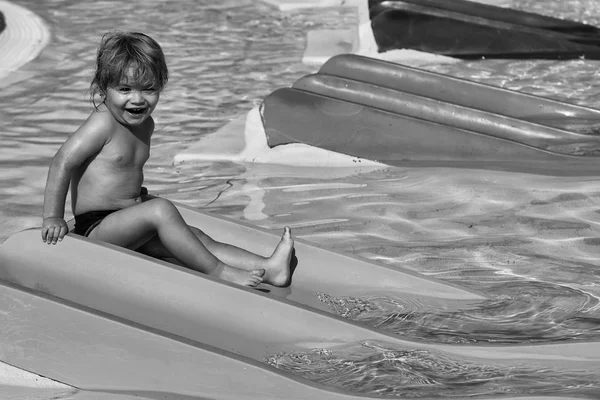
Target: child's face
pixel 131 103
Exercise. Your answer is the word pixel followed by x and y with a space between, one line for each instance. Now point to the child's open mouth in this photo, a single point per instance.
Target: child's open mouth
pixel 136 111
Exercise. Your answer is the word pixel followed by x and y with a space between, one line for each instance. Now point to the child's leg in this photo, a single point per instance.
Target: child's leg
pixel 277 266
pixel 135 225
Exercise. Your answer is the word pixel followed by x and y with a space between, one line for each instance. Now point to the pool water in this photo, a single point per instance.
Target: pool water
pixel 376 368
pixel 530 242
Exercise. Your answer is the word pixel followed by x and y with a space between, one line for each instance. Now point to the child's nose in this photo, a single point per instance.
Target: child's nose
pixel 136 96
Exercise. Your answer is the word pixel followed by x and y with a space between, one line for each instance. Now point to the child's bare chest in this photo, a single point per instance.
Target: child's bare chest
pixel 126 151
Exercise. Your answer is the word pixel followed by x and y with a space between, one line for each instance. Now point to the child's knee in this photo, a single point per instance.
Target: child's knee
pixel 162 208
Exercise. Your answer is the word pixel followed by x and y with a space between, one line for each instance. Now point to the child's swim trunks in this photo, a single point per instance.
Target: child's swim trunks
pixel 86 222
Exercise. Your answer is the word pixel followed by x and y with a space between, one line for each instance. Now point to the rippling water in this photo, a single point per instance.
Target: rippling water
pixel 370 366
pixel 530 242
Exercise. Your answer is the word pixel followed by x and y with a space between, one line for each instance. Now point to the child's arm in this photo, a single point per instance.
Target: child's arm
pixel 85 142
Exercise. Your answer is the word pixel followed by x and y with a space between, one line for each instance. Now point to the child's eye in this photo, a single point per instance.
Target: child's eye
pixel 123 89
pixel 150 89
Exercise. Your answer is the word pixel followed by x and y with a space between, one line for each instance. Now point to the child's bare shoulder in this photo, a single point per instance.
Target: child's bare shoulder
pixel 99 124
pixel 95 133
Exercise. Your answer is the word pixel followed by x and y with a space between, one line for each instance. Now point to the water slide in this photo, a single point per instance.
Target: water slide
pixel 107 320
pixel 452 90
pixel 405 116
pixel 496 13
pixel 470 30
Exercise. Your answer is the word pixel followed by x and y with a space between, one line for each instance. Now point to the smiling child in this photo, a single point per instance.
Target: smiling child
pixel 103 164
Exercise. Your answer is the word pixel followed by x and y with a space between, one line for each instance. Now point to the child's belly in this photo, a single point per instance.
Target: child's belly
pixel 107 194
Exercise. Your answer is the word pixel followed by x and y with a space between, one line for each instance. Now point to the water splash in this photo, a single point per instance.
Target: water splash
pixel 377 368
pixel 528 312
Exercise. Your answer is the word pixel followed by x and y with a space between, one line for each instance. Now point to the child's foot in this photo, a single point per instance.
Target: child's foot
pixel 239 276
pixel 277 267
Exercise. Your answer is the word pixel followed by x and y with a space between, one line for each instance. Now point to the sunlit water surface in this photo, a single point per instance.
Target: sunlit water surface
pixel 530 242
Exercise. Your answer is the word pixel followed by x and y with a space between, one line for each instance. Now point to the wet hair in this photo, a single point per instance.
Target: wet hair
pixel 121 51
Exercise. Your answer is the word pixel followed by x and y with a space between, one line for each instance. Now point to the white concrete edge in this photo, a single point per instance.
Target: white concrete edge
pixel 248 143
pixel 302 155
pixel 25 36
pixel 291 5
pixel 13 376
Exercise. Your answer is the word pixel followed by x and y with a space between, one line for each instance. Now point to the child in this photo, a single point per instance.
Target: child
pixel 103 163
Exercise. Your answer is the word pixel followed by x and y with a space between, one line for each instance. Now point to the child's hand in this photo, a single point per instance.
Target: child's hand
pixel 54 230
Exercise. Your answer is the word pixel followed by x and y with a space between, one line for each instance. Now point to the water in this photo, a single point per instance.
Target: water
pixel 530 242
pixel 366 367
